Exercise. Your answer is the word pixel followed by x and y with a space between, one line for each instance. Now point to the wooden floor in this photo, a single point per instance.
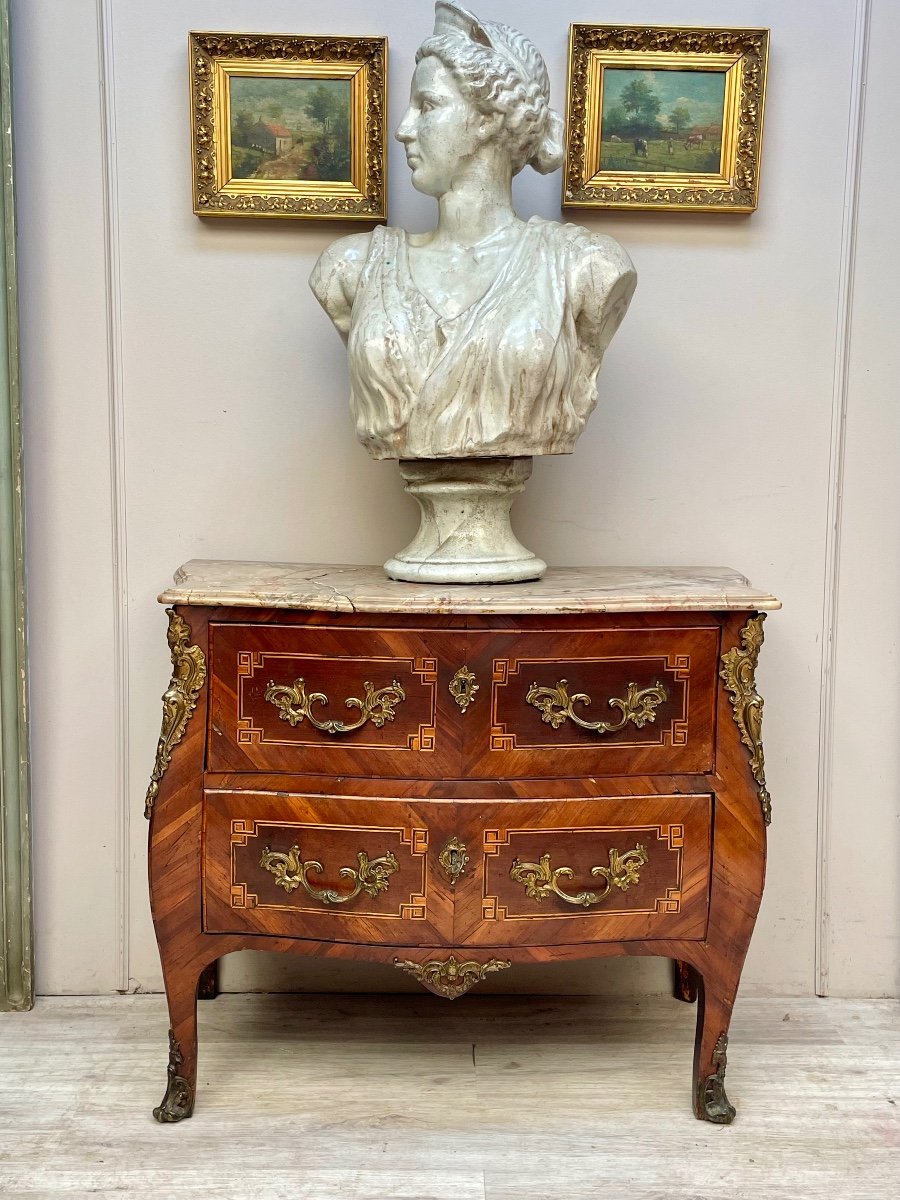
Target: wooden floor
pixel 487 1098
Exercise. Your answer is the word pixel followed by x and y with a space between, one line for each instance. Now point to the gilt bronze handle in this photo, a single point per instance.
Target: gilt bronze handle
pixel 541 880
pixel 556 705
pixel 294 704
pixel 370 876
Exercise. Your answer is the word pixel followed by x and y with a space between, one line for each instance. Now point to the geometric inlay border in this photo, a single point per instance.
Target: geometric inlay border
pixel 672 835
pixel 249 662
pixel 412 909
pixel 678 666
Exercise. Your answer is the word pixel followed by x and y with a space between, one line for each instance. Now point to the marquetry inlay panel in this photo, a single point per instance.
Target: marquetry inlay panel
pixel 336 848
pixel 293 699
pixel 614 701
pixel 322 865
pixel 658 890
pixel 549 870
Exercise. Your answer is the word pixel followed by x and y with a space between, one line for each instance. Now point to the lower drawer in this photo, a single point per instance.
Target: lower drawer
pixel 433 872
pixel 323 867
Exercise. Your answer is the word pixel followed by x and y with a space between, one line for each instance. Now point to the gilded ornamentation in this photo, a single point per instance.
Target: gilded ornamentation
pixel 746 50
pixel 739 673
pixel 556 705
pixel 178 1102
pixel 712 1102
pixel 372 875
pixel 362 60
pixel 541 880
pixel 179 699
pixel 294 705
pixel 454 859
pixel 463 688
pixel 450 978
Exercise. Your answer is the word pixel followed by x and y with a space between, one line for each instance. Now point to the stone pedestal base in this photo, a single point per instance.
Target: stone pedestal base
pixel 465 535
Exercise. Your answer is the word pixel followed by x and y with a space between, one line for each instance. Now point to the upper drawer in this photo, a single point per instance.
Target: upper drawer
pixel 623 701
pixel 319 699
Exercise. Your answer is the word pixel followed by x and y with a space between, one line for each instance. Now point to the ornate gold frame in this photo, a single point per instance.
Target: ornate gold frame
pixel 216 58
pixel 741 53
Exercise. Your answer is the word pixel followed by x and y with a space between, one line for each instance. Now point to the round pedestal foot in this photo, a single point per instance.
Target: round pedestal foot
pixel 465 534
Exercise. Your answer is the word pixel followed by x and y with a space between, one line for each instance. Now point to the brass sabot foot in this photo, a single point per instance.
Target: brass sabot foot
pixel 712 1103
pixel 178 1102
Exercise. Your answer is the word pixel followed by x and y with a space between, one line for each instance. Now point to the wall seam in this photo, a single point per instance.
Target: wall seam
pixel 112 250
pixel 833 529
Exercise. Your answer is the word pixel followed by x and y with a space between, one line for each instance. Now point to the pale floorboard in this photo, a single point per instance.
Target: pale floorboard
pixel 414 1098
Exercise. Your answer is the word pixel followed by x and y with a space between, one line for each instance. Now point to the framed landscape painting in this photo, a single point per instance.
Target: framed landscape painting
pixel 288 126
pixel 665 118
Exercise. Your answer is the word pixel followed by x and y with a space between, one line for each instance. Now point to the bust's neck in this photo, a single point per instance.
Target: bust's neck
pixel 478 203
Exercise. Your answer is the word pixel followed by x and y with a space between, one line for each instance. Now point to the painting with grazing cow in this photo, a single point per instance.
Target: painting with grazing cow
pixel 665 117
pixel 662 120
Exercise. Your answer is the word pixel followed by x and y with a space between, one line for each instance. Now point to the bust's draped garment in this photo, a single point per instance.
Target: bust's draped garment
pixel 505 377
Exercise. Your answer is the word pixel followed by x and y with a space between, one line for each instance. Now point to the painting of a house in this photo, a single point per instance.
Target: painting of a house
pixel 290 127
pixel 270 137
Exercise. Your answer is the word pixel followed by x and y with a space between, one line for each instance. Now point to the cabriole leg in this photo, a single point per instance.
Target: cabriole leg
pixel 178 1102
pixel 716 994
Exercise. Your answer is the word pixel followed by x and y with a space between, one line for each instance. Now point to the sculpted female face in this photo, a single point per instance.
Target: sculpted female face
pixel 441 130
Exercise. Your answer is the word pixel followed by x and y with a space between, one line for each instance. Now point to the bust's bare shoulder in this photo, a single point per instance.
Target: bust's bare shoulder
pixel 335 277
pixel 602 280
pixel 349 250
pixel 599 263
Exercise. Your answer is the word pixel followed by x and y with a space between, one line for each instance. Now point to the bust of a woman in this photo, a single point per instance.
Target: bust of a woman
pixel 483 338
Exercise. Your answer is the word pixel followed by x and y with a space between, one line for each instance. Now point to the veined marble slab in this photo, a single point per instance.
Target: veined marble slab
pixel 330 588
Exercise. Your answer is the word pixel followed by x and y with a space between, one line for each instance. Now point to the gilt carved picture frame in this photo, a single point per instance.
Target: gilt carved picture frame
pixel 288 126
pixel 665 118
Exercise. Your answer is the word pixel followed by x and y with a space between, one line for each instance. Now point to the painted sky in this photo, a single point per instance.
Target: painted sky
pixel 254 94
pixel 703 92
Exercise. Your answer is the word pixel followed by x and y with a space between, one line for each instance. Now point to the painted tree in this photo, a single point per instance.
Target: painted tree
pixel 642 105
pixel 332 152
pixel 240 127
pixel 680 118
pixel 615 121
pixel 321 106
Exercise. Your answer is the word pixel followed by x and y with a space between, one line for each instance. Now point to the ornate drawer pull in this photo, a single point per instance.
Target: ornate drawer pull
pixel 454 859
pixel 294 704
pixel 290 872
pixel 555 705
pixel 463 688
pixel 541 881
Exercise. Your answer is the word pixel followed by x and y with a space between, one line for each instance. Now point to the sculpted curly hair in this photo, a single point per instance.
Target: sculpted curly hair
pixel 510 79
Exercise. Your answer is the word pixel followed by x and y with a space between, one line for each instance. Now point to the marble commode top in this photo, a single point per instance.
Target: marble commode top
pixel 332 588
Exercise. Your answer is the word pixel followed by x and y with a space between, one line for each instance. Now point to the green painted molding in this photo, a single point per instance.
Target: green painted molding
pixel 16 950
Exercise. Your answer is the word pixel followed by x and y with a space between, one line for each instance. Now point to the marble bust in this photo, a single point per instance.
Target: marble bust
pixel 475 346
